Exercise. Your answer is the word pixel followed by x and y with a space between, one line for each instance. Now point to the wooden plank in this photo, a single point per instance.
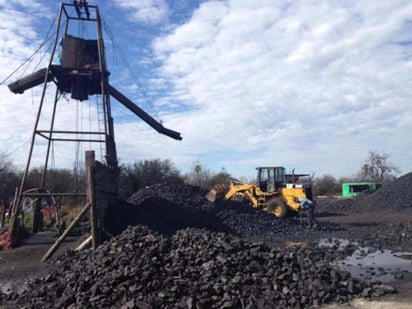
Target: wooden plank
pixel 91 197
pixel 14 224
pixel 58 242
pixel 2 213
pixel 106 180
pixel 84 244
pixel 37 217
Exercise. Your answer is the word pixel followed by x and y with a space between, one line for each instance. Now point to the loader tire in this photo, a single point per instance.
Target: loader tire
pixel 276 206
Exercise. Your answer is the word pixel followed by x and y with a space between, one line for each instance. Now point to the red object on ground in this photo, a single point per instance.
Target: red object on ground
pixel 5 240
pixel 49 211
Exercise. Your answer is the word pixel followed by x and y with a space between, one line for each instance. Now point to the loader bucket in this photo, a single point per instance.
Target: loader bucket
pixel 211 196
pixel 217 193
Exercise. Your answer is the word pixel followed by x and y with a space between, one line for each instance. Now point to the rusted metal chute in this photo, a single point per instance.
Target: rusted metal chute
pixel 81 72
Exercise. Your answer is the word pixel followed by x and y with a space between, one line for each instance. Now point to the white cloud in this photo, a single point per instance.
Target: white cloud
pixel 146 11
pixel 310 85
pixel 17 37
pixel 293 84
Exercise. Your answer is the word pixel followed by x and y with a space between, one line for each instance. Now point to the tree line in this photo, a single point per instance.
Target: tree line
pixel 375 168
pixel 132 177
pixel 140 174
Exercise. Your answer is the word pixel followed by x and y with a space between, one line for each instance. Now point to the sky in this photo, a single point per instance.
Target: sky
pixel 310 85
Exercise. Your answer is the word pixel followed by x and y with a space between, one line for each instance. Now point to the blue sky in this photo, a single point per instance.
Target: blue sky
pixel 310 85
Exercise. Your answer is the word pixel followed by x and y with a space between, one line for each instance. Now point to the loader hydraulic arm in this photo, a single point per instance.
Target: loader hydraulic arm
pixel 223 192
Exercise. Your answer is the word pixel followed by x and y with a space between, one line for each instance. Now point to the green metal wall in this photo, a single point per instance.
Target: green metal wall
pixel 351 189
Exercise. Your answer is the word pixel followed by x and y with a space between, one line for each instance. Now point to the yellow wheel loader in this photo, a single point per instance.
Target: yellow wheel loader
pixel 275 191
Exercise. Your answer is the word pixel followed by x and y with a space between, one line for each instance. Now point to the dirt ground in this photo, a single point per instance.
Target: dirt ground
pixel 22 263
pixel 361 225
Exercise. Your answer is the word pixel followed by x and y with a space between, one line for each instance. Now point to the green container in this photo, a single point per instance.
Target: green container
pixel 351 189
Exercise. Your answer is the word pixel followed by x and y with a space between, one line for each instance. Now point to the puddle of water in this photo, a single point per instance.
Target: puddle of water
pixel 371 264
pixel 341 243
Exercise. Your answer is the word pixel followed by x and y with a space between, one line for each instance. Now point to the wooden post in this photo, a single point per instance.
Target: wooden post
pixel 2 213
pixel 58 242
pixel 84 244
pixel 14 224
pixel 91 197
pixel 37 216
pixel 58 214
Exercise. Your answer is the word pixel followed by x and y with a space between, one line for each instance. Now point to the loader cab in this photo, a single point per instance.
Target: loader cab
pixel 270 179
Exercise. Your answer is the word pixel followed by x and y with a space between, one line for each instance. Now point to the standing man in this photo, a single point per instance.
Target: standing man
pixel 309 207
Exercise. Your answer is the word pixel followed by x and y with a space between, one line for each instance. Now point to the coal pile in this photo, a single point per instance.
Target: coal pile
pixel 192 269
pixel 396 236
pixel 167 208
pixel 181 194
pixel 395 195
pixel 247 221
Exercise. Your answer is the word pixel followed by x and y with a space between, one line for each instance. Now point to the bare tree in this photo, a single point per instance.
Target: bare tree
pixel 377 167
pixel 199 175
pixel 8 178
pixel 145 173
pixel 222 177
pixel 325 185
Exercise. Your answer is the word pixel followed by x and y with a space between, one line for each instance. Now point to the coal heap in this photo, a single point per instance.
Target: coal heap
pixel 181 194
pixel 194 268
pixel 247 221
pixel 184 252
pixel 167 208
pixel 395 195
pixel 396 235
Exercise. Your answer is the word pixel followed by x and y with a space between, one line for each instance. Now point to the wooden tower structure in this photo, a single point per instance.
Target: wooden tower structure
pixel 77 67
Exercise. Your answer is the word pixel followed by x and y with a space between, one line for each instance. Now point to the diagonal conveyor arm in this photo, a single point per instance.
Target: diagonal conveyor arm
pixel 143 115
pixel 30 81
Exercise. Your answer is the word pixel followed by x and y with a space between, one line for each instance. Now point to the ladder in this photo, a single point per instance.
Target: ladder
pixel 101 123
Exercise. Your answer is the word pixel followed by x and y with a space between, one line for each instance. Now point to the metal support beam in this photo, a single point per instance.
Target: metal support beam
pixel 143 115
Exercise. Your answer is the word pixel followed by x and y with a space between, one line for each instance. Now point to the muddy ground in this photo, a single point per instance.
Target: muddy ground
pixel 359 226
pixel 379 230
